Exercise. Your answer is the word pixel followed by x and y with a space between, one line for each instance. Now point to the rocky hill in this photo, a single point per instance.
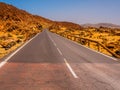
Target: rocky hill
pixel 20 22
pixel 15 20
pixel 17 26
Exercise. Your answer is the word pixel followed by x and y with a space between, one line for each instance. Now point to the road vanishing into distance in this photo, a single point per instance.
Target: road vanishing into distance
pixel 51 62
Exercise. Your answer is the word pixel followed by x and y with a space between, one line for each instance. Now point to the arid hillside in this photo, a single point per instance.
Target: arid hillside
pixel 18 26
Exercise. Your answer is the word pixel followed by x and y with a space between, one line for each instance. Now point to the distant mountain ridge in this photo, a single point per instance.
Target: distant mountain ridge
pixel 68 25
pixel 108 25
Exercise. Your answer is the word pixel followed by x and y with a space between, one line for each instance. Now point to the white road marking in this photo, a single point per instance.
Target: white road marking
pixel 5 61
pixel 70 68
pixel 67 64
pixel 55 44
pixel 101 53
pixel 59 51
pixel 52 41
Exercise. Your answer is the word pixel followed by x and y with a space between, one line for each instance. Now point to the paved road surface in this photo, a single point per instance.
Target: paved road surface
pixel 51 62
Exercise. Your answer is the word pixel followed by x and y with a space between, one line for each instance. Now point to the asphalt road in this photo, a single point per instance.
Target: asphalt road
pixel 51 62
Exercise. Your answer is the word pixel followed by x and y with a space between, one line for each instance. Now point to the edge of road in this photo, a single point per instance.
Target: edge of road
pixel 113 58
pixel 10 55
pixel 65 60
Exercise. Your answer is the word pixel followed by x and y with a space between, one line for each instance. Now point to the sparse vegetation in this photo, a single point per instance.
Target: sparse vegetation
pixel 109 37
pixel 18 26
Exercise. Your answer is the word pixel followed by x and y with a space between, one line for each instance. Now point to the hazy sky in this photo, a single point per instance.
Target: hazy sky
pixel 78 11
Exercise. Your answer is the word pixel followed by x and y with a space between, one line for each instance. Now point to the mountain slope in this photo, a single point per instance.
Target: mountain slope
pixel 13 19
pixel 17 26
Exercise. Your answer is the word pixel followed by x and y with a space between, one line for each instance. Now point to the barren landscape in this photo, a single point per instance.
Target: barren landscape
pixel 17 26
pixel 45 45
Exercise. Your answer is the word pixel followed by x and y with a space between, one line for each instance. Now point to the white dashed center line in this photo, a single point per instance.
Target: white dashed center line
pixel 70 68
pixel 59 51
pixel 66 62
pixel 55 44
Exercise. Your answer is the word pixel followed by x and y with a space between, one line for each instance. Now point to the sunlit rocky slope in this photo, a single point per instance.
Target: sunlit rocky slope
pixel 18 26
